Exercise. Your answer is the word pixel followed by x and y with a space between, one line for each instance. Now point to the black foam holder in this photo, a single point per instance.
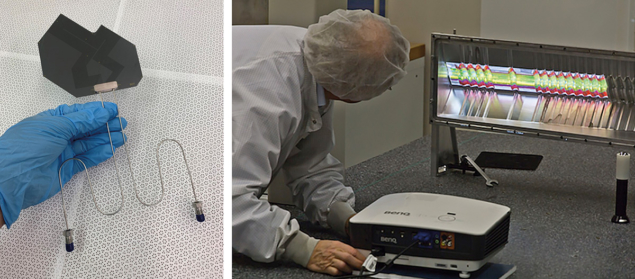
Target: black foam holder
pixel 76 59
pixel 497 160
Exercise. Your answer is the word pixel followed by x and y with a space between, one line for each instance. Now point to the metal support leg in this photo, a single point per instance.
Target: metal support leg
pixel 444 149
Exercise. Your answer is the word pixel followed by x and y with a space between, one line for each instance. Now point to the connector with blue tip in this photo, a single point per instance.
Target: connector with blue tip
pixel 424 239
pixel 200 217
pixel 68 235
pixel 198 207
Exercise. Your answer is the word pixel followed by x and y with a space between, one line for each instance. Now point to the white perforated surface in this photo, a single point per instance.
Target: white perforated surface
pixel 172 26
pixel 180 97
pixel 22 23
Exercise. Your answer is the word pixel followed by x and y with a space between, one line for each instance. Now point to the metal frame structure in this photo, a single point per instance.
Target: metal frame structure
pixel 447 114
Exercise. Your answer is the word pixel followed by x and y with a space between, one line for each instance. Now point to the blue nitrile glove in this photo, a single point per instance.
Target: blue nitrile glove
pixel 32 151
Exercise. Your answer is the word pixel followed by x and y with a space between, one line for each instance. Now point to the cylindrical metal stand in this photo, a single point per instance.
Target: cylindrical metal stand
pixel 622 175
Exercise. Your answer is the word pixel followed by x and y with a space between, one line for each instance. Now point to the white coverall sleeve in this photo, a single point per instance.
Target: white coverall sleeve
pixel 316 178
pixel 264 112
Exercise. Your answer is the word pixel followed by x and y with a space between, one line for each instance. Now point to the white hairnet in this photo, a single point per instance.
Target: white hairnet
pixel 355 54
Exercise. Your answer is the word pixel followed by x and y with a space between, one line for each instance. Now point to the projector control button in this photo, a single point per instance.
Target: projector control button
pixel 447 218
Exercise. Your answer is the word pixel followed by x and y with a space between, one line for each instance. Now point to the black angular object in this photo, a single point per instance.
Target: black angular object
pixel 76 59
pixel 510 161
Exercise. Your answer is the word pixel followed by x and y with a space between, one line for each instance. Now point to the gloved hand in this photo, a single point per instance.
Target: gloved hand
pixel 32 151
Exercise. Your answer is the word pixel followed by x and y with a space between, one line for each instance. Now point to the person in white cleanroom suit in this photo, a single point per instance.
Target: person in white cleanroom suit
pixel 285 80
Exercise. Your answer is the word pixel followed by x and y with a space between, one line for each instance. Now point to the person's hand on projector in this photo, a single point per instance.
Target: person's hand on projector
pixel 335 258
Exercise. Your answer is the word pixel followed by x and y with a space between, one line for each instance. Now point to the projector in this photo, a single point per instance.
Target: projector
pixel 454 233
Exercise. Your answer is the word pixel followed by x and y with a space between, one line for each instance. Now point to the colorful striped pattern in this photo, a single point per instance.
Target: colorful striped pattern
pixel 526 80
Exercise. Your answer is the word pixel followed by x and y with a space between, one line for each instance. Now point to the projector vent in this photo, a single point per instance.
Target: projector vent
pixel 497 236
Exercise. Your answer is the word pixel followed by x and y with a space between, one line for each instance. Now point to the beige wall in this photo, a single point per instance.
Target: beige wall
pixel 418 19
pixel 301 12
pixel 584 23
pixel 393 119
pixel 250 12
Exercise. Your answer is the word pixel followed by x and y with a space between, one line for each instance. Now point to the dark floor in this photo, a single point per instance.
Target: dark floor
pixel 560 224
